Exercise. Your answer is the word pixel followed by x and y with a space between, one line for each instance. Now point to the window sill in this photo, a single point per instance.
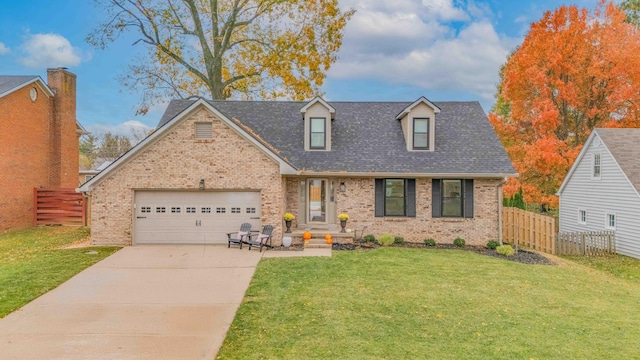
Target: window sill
pixel 452 219
pixel 397 219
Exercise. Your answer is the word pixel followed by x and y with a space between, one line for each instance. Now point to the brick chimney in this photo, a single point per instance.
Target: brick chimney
pixel 63 130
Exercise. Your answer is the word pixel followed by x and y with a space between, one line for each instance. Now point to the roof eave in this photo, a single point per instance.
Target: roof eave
pixel 407 174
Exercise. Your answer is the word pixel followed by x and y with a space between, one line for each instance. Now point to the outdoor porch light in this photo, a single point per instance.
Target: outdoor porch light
pixel 343 186
pixel 201 184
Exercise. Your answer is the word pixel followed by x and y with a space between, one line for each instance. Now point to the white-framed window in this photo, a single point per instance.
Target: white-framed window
pixel 582 216
pixel 204 131
pixel 318 133
pixel 610 220
pixel 597 167
pixel 420 133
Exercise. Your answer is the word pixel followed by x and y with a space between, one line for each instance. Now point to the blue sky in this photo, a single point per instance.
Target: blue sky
pixel 392 51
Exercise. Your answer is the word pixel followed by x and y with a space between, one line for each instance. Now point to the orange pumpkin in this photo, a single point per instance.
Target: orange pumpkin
pixel 328 237
pixel 306 235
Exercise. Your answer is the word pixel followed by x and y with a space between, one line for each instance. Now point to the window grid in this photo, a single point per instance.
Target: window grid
pixel 205 210
pixel 251 210
pixel 175 210
pixel 145 209
pixel 236 210
pixel 161 209
pixel 221 210
pixel 610 221
pixel 421 133
pixel 597 167
pixel 582 216
pixel 191 210
pixel 317 133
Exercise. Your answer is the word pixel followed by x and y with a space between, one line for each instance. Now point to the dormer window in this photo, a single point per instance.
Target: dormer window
pixel 317 115
pixel 318 133
pixel 421 133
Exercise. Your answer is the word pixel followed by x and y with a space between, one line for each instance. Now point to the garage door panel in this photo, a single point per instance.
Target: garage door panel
pixel 183 217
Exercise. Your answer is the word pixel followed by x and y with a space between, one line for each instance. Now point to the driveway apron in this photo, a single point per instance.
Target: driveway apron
pixel 143 302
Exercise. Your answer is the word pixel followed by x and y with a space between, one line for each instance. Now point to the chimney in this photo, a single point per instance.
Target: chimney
pixel 63 134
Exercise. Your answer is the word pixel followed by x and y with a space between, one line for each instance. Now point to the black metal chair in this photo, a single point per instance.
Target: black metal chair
pixel 240 236
pixel 262 239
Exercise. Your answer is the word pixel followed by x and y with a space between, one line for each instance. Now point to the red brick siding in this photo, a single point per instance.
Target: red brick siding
pixel 24 155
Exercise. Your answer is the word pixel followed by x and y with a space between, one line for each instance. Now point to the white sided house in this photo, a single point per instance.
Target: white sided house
pixel 413 169
pixel 601 191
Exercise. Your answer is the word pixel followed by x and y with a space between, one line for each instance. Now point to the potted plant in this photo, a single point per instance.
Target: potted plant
pixel 288 218
pixel 343 221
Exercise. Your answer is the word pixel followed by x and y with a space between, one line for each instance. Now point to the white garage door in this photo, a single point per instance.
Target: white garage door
pixel 192 217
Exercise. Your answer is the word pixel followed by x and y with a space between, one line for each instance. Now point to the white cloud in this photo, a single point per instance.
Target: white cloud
pixel 4 49
pixel 49 50
pixel 132 129
pixel 415 43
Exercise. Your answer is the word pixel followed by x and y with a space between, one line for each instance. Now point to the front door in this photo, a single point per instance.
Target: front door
pixel 317 204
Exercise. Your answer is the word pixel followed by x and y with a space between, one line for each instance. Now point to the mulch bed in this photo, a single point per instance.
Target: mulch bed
pixel 523 256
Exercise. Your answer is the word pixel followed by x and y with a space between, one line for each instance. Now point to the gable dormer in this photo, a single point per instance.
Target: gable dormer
pixel 418 122
pixel 317 115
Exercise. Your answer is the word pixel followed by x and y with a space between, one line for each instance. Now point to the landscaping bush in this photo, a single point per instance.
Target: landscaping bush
pixel 399 240
pixel 505 250
pixel 429 242
pixel 386 240
pixel 459 242
pixel 492 244
pixel 369 238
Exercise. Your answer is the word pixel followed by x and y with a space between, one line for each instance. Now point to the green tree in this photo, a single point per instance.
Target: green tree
pixel 632 9
pixel 112 146
pixel 88 151
pixel 226 48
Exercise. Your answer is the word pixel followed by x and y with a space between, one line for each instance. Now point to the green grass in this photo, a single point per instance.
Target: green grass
pixel 438 304
pixel 620 266
pixel 32 263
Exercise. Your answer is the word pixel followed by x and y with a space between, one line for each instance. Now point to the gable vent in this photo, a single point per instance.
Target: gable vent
pixel 204 131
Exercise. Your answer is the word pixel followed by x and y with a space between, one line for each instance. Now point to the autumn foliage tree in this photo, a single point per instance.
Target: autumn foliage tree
pixel 226 48
pixel 576 70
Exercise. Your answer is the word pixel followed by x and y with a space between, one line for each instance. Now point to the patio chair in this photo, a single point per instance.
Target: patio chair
pixel 262 239
pixel 240 236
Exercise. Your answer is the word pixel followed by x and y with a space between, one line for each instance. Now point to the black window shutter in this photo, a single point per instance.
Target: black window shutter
pixel 468 198
pixel 410 188
pixel 436 198
pixel 379 197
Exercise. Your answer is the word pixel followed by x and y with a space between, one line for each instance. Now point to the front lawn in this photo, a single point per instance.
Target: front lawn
pixel 620 266
pixel 399 303
pixel 32 262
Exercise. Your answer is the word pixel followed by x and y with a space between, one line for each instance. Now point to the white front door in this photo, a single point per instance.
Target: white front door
pixel 192 217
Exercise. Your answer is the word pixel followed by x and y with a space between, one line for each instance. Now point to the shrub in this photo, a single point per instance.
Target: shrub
pixel 429 242
pixel 505 250
pixel 386 240
pixel 459 242
pixel 369 238
pixel 398 240
pixel 492 244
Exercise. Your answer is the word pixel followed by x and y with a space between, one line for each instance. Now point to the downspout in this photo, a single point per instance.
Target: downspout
pixel 504 180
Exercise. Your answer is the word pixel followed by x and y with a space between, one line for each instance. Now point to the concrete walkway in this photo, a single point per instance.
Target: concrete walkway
pixel 143 302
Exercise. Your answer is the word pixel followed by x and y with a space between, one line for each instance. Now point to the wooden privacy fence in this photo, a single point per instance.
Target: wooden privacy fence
pixel 58 207
pixel 588 243
pixel 528 229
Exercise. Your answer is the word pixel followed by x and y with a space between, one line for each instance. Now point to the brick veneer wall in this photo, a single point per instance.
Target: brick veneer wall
pixel 177 161
pixel 24 154
pixel 359 202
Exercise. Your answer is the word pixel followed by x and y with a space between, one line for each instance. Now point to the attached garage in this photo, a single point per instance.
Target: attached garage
pixel 192 217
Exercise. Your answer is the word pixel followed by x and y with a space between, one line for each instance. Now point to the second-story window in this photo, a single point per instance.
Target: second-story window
pixel 318 136
pixel 421 133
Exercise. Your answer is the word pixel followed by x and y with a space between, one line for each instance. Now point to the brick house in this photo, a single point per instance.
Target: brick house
pixel 416 170
pixel 39 136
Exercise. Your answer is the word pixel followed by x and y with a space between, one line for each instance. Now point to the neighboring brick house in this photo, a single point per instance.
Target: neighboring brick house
pixel 39 141
pixel 415 170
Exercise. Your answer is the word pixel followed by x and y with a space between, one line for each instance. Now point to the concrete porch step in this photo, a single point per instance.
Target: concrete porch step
pixel 317 244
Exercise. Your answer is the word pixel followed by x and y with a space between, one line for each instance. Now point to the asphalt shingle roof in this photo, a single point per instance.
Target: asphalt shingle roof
pixel 8 82
pixel 624 146
pixel 366 137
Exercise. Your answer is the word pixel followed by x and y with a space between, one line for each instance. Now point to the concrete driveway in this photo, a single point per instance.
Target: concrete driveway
pixel 143 302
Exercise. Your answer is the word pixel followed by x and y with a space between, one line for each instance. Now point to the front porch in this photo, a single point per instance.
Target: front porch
pixel 318 235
